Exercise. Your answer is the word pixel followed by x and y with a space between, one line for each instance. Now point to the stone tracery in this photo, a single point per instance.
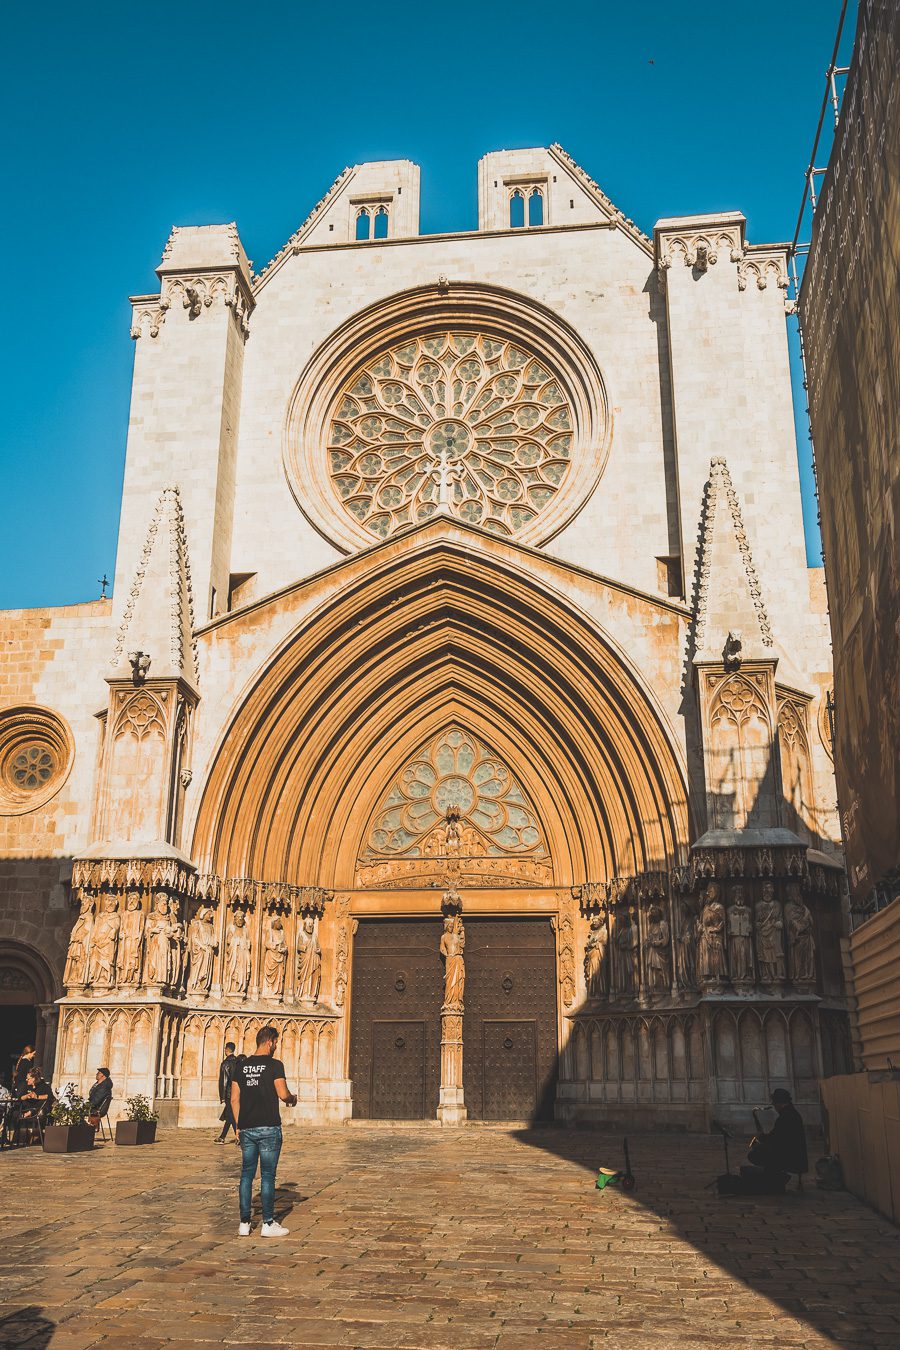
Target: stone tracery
pixel 481 411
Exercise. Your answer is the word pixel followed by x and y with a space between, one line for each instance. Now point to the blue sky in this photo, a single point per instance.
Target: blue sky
pixel 119 121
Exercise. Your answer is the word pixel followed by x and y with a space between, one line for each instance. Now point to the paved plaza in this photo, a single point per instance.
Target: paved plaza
pixel 473 1239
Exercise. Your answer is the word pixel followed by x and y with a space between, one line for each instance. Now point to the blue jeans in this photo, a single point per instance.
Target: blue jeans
pixel 260 1145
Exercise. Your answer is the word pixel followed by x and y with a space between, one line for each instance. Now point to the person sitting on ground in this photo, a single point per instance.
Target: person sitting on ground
pixel 778 1152
pixel 100 1096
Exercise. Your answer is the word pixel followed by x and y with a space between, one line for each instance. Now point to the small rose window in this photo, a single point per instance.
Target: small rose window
pixel 36 752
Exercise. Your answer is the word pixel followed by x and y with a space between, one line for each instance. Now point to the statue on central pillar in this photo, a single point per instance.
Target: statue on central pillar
pixel 453 944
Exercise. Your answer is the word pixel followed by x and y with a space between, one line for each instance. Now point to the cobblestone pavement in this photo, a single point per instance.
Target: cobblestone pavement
pixel 423 1237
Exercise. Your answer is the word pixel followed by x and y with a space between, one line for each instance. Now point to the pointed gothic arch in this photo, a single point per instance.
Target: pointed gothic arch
pixel 447 630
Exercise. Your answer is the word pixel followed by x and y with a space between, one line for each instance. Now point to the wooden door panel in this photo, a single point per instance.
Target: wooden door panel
pixel 509 1070
pixel 397 982
pixel 511 983
pixel 398 1071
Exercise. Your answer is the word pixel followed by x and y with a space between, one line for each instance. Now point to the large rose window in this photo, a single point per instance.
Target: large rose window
pixel 454 421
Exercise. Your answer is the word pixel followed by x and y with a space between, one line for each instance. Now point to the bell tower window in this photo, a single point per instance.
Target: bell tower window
pixel 363 225
pixel 381 223
pixel 527 207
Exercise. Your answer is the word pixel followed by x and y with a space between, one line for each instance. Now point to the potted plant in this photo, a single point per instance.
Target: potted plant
pixel 68 1131
pixel 139 1125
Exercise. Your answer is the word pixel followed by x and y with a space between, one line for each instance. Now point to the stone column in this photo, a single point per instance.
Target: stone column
pixel 451 1108
pixel 451 1105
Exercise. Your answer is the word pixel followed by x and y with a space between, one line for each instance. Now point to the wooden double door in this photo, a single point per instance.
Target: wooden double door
pixel 509 1026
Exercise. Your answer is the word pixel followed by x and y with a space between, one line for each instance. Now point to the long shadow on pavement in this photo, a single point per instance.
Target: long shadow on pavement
pixel 809 1251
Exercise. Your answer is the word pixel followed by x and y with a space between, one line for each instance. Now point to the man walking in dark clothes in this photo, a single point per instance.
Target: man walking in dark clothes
pixel 256 1089
pixel 226 1074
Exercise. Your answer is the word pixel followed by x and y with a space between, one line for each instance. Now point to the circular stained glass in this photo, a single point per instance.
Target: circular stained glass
pixel 455 421
pixel 31 767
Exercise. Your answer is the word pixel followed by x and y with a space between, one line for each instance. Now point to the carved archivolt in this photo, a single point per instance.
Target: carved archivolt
pixel 475 401
pixel 36 753
pixel 454 802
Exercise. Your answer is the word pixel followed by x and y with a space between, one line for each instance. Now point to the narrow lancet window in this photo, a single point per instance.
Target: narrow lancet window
pixel 516 210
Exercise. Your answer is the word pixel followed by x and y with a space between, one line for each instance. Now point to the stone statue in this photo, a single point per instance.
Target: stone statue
pixel 75 973
pixel 176 945
pixel 157 941
pixel 596 975
pixel 453 944
pixel 628 942
pixel 801 943
pixel 201 949
pixel 237 956
pixel 769 947
pixel 274 958
pixel 104 943
pixel 686 947
pixel 309 962
pixel 711 944
pixel 131 937
pixel 740 942
pixel 657 944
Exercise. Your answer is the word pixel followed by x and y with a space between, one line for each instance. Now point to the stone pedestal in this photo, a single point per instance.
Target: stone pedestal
pixel 451 1107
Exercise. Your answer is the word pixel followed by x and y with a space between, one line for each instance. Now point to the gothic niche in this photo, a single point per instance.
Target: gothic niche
pixel 455 811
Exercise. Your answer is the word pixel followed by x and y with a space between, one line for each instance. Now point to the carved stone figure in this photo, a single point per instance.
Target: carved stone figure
pixel 309 962
pixel 711 945
pixel 274 958
pixel 801 943
pixel 157 941
pixel 237 956
pixel 686 947
pixel 104 944
pixel 201 947
pixel 740 941
pixel 176 946
pixel 769 945
pixel 453 944
pixel 628 943
pixel 657 942
pixel 596 975
pixel 131 937
pixel 76 970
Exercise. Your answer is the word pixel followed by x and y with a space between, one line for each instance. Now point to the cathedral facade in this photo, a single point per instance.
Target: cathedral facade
pixel 461 705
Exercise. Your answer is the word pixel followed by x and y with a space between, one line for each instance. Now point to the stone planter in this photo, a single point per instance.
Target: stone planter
pixel 68 1138
pixel 135 1131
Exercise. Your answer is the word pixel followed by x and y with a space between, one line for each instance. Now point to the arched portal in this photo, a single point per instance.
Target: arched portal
pixel 27 990
pixel 441 636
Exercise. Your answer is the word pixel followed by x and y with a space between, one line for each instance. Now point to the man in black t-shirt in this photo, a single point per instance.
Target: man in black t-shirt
pixel 258 1085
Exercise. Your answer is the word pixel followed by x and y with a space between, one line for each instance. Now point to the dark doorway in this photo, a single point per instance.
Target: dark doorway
pixel 18 1028
pixel 510 1041
pixel 395 1019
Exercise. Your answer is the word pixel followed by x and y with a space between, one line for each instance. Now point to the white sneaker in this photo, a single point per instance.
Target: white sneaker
pixel 274 1229
pixel 243 1230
